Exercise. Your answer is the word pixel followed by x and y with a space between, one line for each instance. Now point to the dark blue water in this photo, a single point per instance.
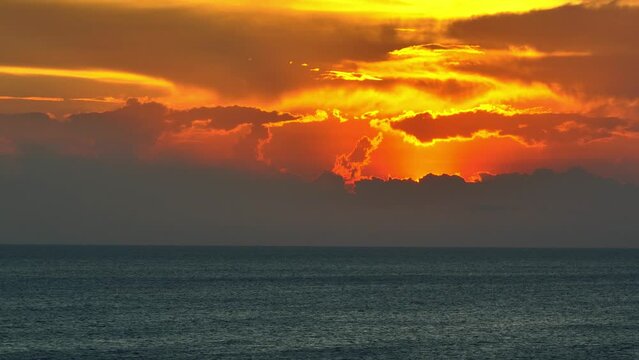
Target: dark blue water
pixel 315 303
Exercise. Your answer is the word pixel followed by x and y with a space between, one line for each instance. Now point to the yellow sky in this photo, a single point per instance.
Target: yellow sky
pixel 429 9
pixel 387 8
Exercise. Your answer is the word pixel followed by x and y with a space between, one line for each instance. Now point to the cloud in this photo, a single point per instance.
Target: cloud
pixel 601 29
pixel 227 118
pixel 34 130
pixel 464 143
pixel 124 131
pixel 349 166
pixel 531 129
pixel 66 91
pixel 234 53
pixel 235 136
pixel 309 149
pixel 601 38
pixel 51 199
pixel 145 130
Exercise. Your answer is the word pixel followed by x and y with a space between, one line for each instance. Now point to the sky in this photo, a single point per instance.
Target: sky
pixel 381 93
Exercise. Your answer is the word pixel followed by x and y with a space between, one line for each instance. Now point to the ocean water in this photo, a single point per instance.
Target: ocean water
pixel 317 303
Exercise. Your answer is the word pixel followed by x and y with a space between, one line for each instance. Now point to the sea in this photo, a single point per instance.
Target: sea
pixel 145 302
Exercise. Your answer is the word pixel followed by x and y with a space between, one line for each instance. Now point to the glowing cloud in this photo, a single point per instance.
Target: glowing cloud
pixel 97 75
pixel 350 166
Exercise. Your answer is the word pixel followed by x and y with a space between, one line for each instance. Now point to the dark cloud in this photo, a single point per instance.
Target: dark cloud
pixel 50 199
pixel 604 35
pixel 227 118
pixel 235 53
pixel 595 75
pixel 544 128
pixel 601 29
pixel 122 131
pixel 132 130
pixel 31 130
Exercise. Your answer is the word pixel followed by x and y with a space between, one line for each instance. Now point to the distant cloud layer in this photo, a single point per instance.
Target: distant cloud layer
pixel 50 199
pixel 250 138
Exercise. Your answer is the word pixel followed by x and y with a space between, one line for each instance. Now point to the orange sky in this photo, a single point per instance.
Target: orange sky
pixel 390 89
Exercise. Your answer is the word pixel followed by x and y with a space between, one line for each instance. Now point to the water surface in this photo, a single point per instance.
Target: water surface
pixel 62 302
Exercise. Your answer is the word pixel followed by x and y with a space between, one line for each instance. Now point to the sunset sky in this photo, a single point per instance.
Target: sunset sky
pixel 315 122
pixel 385 89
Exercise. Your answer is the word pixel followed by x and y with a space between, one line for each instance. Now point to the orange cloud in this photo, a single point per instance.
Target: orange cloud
pixel 529 129
pixel 594 56
pixel 349 166
pixel 467 143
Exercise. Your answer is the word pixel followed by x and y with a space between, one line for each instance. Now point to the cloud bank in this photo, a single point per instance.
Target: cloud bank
pixel 408 146
pixel 51 199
